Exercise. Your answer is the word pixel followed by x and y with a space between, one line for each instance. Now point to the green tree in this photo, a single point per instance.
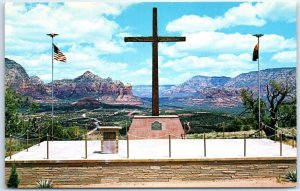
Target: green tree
pixel 276 94
pixel 235 125
pixel 74 132
pixel 13 104
pixel 288 114
pixel 251 105
pixel 13 181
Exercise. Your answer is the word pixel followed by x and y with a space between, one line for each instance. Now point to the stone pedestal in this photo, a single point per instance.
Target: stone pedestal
pixel 109 139
pixel 156 127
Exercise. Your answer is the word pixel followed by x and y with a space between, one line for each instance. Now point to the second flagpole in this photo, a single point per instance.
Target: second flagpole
pixel 52 35
pixel 258 68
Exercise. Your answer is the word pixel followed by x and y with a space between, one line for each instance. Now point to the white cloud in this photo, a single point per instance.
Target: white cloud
pixel 29 26
pixel 245 14
pixel 211 66
pixel 45 77
pixel 84 37
pixel 194 23
pixel 218 42
pixel 277 10
pixel 141 72
pixel 285 57
pixel 78 61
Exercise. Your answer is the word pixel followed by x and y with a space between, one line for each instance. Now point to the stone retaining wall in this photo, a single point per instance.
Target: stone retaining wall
pixel 84 172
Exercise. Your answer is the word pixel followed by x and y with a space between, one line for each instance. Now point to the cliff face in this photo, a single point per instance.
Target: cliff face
pixel 86 85
pixel 197 83
pixel 245 80
pixel 250 80
pixel 225 91
pixel 15 75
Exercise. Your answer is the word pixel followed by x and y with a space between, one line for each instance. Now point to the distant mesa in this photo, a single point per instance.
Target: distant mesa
pixel 218 92
pixel 87 85
pixel 89 88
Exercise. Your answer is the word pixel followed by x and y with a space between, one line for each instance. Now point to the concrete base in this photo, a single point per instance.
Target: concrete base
pixel 83 173
pixel 143 127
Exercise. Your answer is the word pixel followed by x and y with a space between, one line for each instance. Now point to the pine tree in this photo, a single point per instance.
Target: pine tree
pixel 13 181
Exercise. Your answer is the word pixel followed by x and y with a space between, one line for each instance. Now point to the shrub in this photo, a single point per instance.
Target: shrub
pixel 44 184
pixel 292 176
pixel 13 181
pixel 235 125
pixel 246 127
pixel 74 132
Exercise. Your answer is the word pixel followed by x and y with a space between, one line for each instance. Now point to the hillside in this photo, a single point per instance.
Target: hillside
pixel 217 92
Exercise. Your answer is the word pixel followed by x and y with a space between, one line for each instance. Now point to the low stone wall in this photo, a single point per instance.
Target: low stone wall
pixel 84 172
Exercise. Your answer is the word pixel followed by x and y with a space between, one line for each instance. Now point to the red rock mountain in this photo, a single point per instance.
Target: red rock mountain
pixel 86 85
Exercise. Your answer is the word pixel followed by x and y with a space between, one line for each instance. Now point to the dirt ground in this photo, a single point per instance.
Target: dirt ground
pixel 258 183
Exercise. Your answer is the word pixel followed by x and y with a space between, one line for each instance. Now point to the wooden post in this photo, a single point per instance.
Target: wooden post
pixel 294 138
pixel 244 144
pixel 204 139
pixel 280 144
pixel 127 146
pixel 27 145
pixel 260 131
pixel 169 145
pixel 85 146
pixel 10 145
pixel 275 135
pixel 47 146
pixel 223 130
pixel 39 136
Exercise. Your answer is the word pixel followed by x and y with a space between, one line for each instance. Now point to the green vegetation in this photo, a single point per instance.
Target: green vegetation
pixel 44 184
pixel 292 176
pixel 16 145
pixel 17 107
pixel 217 135
pixel 13 181
pixel 279 107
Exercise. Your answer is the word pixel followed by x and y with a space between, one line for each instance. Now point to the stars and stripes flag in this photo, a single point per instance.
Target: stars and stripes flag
pixel 255 52
pixel 58 55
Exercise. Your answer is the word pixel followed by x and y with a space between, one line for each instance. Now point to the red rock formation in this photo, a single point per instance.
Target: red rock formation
pixel 86 85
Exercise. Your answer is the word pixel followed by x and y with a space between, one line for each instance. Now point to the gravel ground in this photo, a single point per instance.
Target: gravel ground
pixel 244 183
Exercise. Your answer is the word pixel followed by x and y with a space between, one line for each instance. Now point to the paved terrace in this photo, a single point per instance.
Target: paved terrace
pixel 158 149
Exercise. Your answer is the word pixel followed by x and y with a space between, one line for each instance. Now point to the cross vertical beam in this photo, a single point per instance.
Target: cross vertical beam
pixel 155 85
pixel 155 39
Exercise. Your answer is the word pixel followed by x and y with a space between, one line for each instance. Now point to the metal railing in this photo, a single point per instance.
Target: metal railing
pixel 25 137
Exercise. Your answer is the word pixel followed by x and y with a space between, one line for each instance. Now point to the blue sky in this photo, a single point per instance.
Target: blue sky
pixel 219 40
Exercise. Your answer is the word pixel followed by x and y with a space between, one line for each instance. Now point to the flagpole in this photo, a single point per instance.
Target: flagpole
pixel 258 68
pixel 52 35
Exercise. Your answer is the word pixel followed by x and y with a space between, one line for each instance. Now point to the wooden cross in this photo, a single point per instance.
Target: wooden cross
pixel 155 39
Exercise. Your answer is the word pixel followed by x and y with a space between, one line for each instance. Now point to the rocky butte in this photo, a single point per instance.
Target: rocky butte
pixel 87 85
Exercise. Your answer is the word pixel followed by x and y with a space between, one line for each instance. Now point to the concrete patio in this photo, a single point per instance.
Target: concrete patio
pixel 157 149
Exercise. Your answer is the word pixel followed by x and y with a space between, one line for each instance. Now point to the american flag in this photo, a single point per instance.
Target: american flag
pixel 58 55
pixel 255 52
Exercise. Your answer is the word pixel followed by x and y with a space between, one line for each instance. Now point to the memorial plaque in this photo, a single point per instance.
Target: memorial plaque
pixel 156 126
pixel 109 136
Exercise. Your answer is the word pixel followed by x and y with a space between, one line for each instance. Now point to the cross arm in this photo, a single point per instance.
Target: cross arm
pixel 155 39
pixel 171 39
pixel 139 39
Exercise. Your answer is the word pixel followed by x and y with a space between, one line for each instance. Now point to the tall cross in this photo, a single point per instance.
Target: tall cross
pixel 155 39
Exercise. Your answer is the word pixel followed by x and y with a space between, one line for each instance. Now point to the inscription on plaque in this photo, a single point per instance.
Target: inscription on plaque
pixel 109 136
pixel 156 126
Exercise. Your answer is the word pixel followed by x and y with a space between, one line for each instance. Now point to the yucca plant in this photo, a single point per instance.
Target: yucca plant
pixel 292 176
pixel 13 181
pixel 44 183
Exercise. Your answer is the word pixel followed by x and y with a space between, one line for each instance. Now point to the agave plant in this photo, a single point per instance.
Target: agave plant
pixel 44 183
pixel 292 176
